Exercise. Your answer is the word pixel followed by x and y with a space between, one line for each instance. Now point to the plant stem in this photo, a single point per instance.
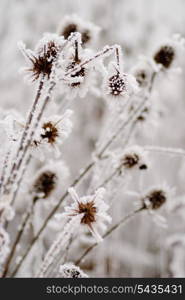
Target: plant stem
pixel 163 150
pixel 112 229
pixel 17 239
pixel 25 133
pixel 131 118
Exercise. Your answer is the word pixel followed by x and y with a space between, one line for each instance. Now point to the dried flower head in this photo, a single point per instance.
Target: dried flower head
pixel 73 23
pixel 44 185
pixel 118 85
pixel 133 158
pixel 155 199
pixel 169 52
pixel 52 132
pixel 69 270
pixel 43 58
pixel 165 56
pixel 4 244
pixel 49 180
pixel 93 210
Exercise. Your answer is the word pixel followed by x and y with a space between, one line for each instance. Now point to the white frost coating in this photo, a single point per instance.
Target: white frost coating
pixel 59 244
pixel 4 244
pixel 69 270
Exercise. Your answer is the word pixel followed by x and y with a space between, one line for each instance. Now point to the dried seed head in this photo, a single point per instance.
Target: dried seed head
pixel 50 132
pixel 165 56
pixel 44 185
pixel 155 199
pixel 117 85
pixel 130 160
pixel 89 210
pixel 133 157
pixel 42 63
pixel 71 28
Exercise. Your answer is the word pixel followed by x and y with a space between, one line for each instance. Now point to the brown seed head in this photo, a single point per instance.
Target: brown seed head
pixel 130 160
pixel 165 56
pixel 71 28
pixel 89 210
pixel 43 63
pixel 50 132
pixel 117 85
pixel 45 184
pixel 156 199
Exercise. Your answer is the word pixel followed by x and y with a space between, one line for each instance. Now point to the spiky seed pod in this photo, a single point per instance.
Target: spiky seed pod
pixel 41 61
pixel 42 64
pixel 117 85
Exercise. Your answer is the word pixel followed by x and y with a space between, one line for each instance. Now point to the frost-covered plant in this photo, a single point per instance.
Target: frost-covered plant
pixel 35 185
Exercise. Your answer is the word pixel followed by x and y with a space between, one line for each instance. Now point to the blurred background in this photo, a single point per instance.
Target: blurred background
pixel 138 26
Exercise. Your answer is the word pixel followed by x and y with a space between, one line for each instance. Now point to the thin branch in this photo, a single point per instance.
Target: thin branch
pixel 130 119
pixel 109 232
pixel 163 150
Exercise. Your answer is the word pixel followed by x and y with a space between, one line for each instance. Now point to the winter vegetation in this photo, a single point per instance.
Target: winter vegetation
pixel 92 148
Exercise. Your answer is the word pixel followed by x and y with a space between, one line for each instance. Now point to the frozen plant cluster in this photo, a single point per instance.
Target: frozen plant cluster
pixel 92 168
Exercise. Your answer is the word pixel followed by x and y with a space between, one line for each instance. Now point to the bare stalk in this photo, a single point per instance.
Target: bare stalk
pixel 25 132
pixel 109 232
pixel 17 239
pixel 163 150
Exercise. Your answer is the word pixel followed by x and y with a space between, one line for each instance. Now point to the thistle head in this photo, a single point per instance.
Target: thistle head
pixel 42 60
